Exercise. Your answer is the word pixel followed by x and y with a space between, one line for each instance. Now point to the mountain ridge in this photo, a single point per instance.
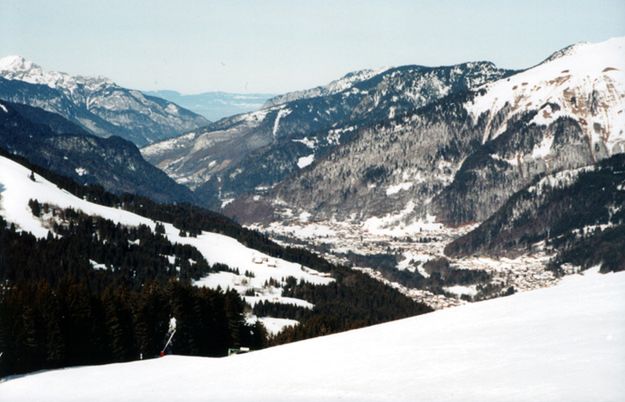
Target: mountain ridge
pixel 220 160
pixel 51 141
pixel 504 146
pixel 96 103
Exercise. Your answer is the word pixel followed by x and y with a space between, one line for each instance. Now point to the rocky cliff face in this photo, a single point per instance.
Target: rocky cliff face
pixel 97 104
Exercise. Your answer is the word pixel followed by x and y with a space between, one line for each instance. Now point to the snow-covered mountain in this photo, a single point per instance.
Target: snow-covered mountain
pixel 394 197
pixel 564 343
pixel 256 150
pixel 461 157
pixel 584 81
pixel 96 103
pixel 215 105
pixel 564 113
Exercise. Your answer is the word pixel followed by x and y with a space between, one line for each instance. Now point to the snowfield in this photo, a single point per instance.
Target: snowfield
pixel 586 80
pixel 565 343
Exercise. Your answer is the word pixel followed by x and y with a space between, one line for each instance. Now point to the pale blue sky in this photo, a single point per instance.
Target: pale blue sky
pixel 282 45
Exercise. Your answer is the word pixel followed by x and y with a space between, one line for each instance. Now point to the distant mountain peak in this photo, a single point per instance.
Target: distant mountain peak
pixel 215 105
pixel 338 85
pixel 608 46
pixel 95 102
pixel 15 67
pixel 15 62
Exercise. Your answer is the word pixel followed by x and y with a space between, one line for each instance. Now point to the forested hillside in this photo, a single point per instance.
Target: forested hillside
pixel 96 291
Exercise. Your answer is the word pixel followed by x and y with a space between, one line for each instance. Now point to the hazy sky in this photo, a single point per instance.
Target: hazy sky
pixel 283 45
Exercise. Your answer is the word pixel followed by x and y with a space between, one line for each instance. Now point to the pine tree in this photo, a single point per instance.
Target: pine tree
pixel 29 341
pixel 35 207
pixel 118 325
pixel 160 228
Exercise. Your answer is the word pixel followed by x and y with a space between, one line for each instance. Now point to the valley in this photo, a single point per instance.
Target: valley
pixel 398 256
pixel 336 222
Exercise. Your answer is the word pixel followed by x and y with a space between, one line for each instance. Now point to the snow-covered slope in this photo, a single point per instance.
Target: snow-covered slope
pixel 16 189
pixel 564 343
pixel 585 81
pixel 96 103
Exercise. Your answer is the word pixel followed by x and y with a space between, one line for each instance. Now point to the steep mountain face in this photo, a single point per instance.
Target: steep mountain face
pixel 566 212
pixel 391 169
pixel 246 152
pixel 215 105
pixel 565 113
pixel 486 180
pixel 460 158
pixel 97 104
pixel 48 140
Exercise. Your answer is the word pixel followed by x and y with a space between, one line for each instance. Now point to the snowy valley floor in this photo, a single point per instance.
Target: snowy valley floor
pixel 564 343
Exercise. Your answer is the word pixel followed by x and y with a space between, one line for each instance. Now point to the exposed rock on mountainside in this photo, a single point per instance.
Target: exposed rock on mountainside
pixel 565 113
pixel 97 104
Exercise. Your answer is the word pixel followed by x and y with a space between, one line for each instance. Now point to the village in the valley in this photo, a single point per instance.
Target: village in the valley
pixel 411 247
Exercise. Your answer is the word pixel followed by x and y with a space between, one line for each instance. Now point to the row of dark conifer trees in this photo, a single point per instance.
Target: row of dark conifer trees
pixel 56 310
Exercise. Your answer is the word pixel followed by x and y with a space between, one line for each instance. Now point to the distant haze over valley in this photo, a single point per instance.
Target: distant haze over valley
pixel 215 105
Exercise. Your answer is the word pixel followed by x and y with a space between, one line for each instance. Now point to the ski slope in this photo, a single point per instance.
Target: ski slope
pixel 565 343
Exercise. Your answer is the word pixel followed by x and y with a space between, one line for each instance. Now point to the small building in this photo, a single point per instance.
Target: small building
pixel 238 351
